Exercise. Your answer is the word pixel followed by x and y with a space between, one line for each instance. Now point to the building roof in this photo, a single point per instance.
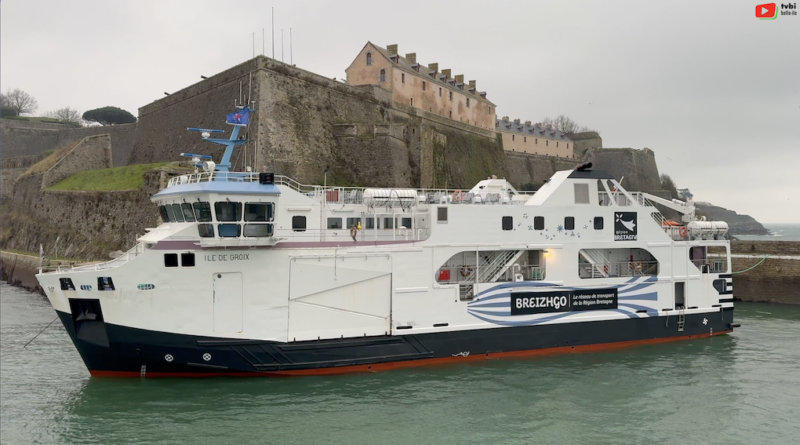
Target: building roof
pixel 528 129
pixel 425 72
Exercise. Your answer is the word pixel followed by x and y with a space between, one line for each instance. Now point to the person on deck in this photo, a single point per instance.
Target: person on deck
pixel 354 232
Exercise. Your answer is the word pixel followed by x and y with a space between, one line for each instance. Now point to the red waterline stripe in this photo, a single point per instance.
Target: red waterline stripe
pixel 411 363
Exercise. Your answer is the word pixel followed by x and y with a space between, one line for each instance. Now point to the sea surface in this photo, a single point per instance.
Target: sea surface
pixel 742 388
pixel 779 232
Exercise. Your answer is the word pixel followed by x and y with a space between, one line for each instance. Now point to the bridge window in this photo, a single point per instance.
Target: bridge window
pixel 105 283
pixel 170 213
pixel 187 259
pixel 176 209
pixel 508 222
pixel 202 211
pixel 538 223
pixel 229 230
pixel 258 230
pixel 170 260
pixel 258 211
pixel 369 223
pixel 569 223
pixel 205 230
pixel 405 222
pixel 163 211
pixel 228 211
pixel 353 222
pixel 66 284
pixel 334 223
pixel 299 223
pixel 188 215
pixel 387 223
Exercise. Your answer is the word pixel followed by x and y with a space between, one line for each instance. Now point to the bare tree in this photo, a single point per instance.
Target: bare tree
pixel 65 114
pixel 20 101
pixel 565 125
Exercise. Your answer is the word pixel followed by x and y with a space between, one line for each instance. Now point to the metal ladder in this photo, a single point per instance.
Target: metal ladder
pixel 681 319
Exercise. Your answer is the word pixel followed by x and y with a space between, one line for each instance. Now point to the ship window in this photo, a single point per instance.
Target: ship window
pixel 538 223
pixel 388 223
pixel 334 223
pixel 598 223
pixel 441 214
pixel 163 211
pixel 258 211
pixel 228 211
pixel 369 223
pixel 229 230
pixel 145 286
pixel 89 287
pixel 170 213
pixel 353 222
pixel 66 284
pixel 187 259
pixel 205 230
pixel 508 222
pixel 188 215
pixel 299 223
pixel 170 260
pixel 258 230
pixel 202 211
pixel 176 209
pixel 405 222
pixel 105 283
pixel 569 223
pixel 581 193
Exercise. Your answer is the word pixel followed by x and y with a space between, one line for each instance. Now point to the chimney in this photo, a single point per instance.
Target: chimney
pixel 528 123
pixel 505 118
pixel 472 84
pixel 392 48
pixel 446 72
pixel 459 78
pixel 434 67
pixel 412 57
pixel 516 121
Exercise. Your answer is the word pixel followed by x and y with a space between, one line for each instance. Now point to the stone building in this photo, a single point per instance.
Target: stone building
pixel 533 138
pixel 422 87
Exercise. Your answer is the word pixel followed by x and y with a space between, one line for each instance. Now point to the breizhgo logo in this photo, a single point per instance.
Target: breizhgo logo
pixel 625 226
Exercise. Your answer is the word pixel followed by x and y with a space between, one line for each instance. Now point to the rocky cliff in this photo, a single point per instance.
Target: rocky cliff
pixel 737 224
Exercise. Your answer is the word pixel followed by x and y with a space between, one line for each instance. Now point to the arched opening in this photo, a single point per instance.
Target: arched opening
pixel 369 58
pixel 383 75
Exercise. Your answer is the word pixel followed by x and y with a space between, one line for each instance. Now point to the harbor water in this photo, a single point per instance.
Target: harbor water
pixel 734 389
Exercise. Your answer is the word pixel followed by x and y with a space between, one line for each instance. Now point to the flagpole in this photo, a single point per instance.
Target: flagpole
pixel 273 32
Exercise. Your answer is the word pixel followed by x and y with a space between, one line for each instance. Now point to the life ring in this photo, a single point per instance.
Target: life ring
pixel 465 272
pixel 605 269
pixel 458 195
pixel 683 231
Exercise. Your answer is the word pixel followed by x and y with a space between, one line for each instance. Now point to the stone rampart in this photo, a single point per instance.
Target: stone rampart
pixel 638 167
pixel 583 142
pixel 532 169
pixel 93 152
pixel 775 280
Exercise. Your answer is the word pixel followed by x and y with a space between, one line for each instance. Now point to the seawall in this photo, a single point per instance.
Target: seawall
pixel 775 280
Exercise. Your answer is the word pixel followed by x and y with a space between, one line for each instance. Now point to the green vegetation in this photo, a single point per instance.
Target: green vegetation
pixel 109 116
pixel 53 156
pixel 49 120
pixel 130 177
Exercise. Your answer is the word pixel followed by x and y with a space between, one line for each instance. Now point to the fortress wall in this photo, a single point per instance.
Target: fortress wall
pixel 638 167
pixel 93 152
pixel 583 142
pixel 534 169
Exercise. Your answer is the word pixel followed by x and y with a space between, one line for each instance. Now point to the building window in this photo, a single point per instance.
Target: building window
pixel 170 260
pixel 556 144
pixel 508 223
pixel 440 91
pixel 538 223
pixel 412 101
pixel 383 75
pixel 441 214
pixel 451 96
pixel 403 77
pixel 451 114
pixel 299 223
pixel 369 58
pixel 547 143
pixel 513 137
pixel 424 85
pixel 598 223
pixel 468 102
pixel 569 223
pixel 567 146
pixel 187 259
pixel 334 223
pixel 536 141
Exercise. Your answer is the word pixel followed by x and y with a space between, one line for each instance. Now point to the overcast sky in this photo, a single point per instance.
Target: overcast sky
pixel 714 91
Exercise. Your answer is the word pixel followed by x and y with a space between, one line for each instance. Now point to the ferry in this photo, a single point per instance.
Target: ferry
pixel 255 274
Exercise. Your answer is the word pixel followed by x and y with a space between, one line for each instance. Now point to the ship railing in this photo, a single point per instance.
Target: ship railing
pixel 98 265
pixel 712 265
pixel 467 274
pixel 620 269
pixel 605 199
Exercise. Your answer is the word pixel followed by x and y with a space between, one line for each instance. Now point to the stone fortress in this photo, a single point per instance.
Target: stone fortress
pixel 393 123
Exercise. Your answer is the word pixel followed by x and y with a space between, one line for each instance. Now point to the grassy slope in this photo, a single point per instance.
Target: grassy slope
pixel 130 177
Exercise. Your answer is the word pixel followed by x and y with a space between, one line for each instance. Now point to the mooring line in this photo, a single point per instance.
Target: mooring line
pixel 40 332
pixel 754 266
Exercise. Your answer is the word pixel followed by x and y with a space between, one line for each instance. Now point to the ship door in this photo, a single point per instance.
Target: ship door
pixel 228 302
pixel 680 295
